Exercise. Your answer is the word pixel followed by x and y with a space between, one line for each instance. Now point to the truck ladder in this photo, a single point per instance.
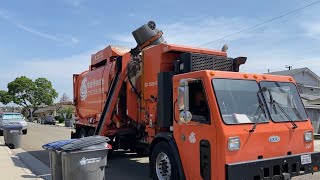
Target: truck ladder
pixel 110 102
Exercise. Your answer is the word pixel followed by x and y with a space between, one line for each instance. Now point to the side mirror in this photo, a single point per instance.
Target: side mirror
pixel 183 101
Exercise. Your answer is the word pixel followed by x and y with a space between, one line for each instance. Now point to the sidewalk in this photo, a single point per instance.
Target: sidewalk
pixel 11 167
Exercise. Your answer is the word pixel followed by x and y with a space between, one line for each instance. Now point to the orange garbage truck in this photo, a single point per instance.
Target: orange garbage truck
pixel 193 112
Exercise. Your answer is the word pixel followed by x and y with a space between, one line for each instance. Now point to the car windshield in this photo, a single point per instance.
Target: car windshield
pixel 283 96
pixel 239 101
pixel 11 116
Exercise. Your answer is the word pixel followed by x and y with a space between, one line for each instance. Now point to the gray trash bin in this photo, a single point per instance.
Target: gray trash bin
pixel 84 165
pixel 84 158
pixel 55 165
pixel 68 123
pixel 12 136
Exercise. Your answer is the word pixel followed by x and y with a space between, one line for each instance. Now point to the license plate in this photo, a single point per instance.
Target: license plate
pixel 305 159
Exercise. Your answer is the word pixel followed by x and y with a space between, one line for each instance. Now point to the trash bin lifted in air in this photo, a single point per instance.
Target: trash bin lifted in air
pixel 12 135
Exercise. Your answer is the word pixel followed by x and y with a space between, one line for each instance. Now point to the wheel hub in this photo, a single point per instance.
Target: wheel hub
pixel 163 167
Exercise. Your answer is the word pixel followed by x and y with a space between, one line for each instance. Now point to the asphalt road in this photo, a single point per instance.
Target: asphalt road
pixel 122 166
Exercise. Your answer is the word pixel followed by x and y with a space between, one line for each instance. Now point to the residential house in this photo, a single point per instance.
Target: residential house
pixel 52 110
pixel 308 84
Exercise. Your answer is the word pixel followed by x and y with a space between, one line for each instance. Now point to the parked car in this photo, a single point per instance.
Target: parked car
pixel 7 118
pixel 48 120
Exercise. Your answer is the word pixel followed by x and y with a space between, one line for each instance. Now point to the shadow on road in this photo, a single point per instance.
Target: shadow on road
pixel 123 166
pixel 36 162
pixel 17 162
pixel 42 155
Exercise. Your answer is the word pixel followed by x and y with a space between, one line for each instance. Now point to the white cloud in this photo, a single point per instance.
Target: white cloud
pixel 5 15
pixel 195 31
pixel 312 29
pixel 75 40
pixel 75 3
pixel 271 46
pixel 58 70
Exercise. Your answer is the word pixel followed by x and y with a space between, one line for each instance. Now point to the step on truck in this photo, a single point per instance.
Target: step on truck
pixel 193 112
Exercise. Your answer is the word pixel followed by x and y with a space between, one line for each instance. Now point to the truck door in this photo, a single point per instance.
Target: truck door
pixel 196 139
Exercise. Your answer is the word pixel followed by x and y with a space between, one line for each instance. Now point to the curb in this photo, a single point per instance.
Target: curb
pixel 31 165
pixel 36 166
pixel 23 165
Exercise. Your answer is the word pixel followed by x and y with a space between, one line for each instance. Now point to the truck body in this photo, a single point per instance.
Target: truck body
pixel 194 113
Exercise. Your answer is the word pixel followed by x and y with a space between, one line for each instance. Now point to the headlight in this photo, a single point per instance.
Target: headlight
pixel 23 123
pixel 234 143
pixel 308 136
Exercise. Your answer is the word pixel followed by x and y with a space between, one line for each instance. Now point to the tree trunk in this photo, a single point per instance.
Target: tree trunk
pixel 29 114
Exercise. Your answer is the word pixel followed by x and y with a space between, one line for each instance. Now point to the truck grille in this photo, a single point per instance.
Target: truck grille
pixel 197 62
pixel 203 62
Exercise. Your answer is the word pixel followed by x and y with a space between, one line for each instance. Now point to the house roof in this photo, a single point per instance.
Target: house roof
pixel 295 71
pixel 307 105
pixel 310 97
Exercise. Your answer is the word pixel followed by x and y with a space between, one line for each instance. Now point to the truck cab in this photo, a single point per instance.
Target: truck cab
pixel 194 113
pixel 231 125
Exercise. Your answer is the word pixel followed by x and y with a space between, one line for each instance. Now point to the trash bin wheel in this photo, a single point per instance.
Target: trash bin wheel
pixel 24 131
pixel 90 132
pixel 11 146
pixel 82 133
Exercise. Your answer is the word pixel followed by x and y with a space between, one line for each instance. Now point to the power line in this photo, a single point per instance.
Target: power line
pixel 260 24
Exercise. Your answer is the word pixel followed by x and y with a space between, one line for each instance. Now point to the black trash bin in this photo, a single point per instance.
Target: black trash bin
pixel 12 135
pixel 78 159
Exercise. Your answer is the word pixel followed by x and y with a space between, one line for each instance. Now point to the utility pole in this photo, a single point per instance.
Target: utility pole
pixel 289 67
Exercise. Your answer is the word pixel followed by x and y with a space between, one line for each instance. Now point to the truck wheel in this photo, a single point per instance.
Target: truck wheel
pixel 163 164
pixel 90 132
pixel 82 133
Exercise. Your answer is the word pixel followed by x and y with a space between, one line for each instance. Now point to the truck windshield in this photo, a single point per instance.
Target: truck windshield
pixel 239 101
pixel 283 96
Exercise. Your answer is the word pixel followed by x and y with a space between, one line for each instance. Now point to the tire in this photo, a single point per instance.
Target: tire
pixel 1 132
pixel 24 131
pixel 162 157
pixel 90 132
pixel 82 133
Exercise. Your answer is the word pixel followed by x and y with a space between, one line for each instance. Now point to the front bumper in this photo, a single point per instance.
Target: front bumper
pixel 272 168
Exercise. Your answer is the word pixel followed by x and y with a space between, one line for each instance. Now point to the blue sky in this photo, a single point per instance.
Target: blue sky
pixel 55 39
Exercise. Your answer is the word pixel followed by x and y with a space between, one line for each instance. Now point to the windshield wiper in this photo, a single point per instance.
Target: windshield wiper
pixel 258 113
pixel 274 103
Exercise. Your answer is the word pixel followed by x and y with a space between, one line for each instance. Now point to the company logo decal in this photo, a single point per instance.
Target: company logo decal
pixel 274 139
pixel 83 89
pixel 91 87
pixel 192 137
pixel 85 161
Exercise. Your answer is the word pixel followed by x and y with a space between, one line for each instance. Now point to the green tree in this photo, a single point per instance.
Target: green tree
pixel 67 111
pixel 30 94
pixel 5 97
